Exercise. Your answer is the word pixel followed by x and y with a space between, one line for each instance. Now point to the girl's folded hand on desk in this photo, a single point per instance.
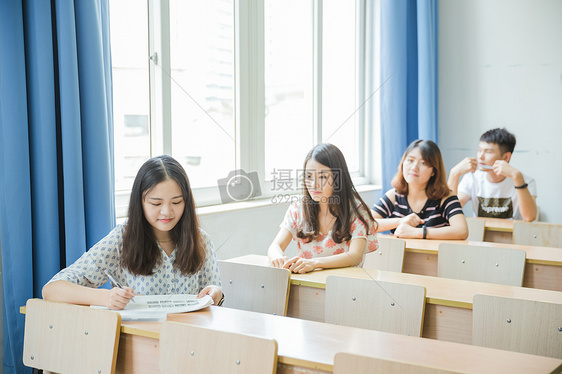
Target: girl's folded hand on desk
pixel 214 291
pixel 299 265
pixel 279 262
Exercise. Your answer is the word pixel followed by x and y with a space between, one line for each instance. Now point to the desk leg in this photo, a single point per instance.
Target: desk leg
pixel 447 323
pixel 137 354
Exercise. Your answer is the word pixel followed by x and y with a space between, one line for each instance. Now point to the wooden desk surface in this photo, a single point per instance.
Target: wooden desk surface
pixel 498 224
pixel 543 267
pixel 535 255
pixel 440 291
pixel 312 345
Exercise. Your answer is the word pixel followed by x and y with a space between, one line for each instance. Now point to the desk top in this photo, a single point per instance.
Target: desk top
pixel 314 344
pixel 498 224
pixel 535 255
pixel 440 291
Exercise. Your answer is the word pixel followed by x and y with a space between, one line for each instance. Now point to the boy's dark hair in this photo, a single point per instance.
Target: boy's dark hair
pixel 345 204
pixel 503 138
pixel 140 249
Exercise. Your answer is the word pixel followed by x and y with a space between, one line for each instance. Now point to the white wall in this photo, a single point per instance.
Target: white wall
pixel 252 230
pixel 500 64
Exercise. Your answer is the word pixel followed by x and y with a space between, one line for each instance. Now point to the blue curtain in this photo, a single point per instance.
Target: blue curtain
pixel 409 69
pixel 56 146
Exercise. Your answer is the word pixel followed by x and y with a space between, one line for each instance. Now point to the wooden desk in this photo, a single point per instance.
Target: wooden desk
pixel 309 347
pixel 498 230
pixel 543 268
pixel 448 310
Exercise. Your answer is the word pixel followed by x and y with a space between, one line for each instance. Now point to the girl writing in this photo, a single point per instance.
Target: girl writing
pixel 159 250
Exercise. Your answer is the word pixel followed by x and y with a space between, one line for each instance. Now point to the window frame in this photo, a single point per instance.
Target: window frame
pixel 249 95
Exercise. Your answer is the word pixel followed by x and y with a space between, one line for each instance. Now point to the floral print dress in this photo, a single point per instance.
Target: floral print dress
pixel 324 245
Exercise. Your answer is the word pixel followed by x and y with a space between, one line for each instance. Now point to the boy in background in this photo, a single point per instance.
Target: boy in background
pixel 497 189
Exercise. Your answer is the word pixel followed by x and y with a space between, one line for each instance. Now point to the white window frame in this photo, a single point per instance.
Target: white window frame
pixel 249 94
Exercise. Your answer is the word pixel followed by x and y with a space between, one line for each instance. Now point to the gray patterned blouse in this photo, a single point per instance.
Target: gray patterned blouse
pixel 88 270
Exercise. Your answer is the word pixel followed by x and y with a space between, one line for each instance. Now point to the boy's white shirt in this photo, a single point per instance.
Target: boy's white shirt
pixel 495 197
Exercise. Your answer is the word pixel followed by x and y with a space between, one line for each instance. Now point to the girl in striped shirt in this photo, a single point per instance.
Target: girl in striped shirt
pixel 421 205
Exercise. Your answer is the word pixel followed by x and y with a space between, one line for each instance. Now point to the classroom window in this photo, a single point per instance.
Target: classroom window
pixel 223 85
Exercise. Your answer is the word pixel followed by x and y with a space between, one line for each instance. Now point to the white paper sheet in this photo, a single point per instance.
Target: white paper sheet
pixel 156 307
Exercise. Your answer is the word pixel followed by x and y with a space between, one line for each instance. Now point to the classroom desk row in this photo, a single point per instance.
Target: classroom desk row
pixel 543 268
pixel 309 347
pixel 448 310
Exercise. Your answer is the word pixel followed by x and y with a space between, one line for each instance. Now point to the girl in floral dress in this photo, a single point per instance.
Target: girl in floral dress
pixel 332 225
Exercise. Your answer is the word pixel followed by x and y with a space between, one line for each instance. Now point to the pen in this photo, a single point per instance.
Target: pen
pixel 114 281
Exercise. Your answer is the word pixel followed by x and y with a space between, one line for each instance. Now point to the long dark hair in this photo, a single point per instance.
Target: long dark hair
pixel 437 187
pixel 344 204
pixel 140 249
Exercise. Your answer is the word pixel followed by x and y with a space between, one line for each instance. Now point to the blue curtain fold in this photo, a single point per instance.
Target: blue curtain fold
pixel 409 63
pixel 56 147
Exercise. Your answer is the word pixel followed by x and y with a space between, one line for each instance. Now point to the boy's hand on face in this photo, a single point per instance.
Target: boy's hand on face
pixel 466 165
pixel 504 169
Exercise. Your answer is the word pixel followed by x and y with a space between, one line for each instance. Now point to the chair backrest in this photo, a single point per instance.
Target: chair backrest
pixel 537 233
pixel 255 288
pixel 481 264
pixel 349 363
pixel 193 349
pixel 475 229
pixel 518 325
pixel 66 338
pixel 376 305
pixel 389 256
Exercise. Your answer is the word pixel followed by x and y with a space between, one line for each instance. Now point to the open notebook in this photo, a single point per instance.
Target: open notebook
pixel 156 307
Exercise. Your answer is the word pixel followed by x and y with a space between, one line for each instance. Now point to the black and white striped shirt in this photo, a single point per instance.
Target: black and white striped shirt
pixel 433 213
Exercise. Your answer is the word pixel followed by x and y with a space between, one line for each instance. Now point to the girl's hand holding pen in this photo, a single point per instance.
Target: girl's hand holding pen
pixel 118 296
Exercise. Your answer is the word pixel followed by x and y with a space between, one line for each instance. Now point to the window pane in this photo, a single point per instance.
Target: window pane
pixel 339 90
pixel 129 51
pixel 288 84
pixel 202 63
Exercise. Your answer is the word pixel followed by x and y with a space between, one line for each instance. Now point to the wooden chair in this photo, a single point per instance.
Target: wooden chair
pixel 389 256
pixel 66 338
pixel 518 325
pixel 349 363
pixel 376 305
pixel 193 349
pixel 481 264
pixel 255 288
pixel 475 229
pixel 537 233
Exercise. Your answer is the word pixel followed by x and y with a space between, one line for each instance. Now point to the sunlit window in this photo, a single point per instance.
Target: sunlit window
pixel 225 85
